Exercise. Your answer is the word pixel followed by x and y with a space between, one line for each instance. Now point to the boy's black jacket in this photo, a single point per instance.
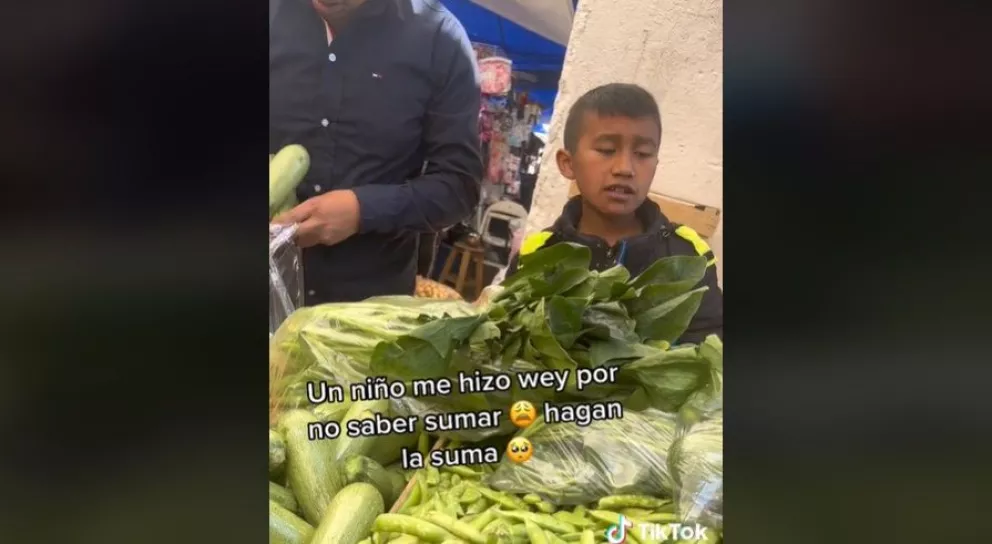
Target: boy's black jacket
pixel 638 253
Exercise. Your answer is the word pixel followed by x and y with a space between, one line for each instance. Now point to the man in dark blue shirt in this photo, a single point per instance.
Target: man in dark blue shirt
pixel 373 89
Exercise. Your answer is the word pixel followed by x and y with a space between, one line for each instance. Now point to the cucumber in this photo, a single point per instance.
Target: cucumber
pixel 283 497
pixel 286 171
pixel 359 468
pixel 286 527
pixel 358 445
pixel 277 454
pixel 289 204
pixel 350 516
pixel 310 468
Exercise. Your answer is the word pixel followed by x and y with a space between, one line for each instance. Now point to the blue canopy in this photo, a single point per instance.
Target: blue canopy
pixel 531 53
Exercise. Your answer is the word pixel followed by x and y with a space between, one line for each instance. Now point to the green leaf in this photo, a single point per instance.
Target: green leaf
pixel 678 269
pixel 408 358
pixel 425 351
pixel 613 351
pixel 552 354
pixel 445 334
pixel 565 319
pixel 567 255
pixel 560 281
pixel 611 284
pixel 607 320
pixel 669 377
pixel 669 320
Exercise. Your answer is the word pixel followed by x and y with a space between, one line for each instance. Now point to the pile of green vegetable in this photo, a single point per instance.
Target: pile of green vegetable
pixel 330 491
pixel 577 465
pixel 662 462
pixel 454 505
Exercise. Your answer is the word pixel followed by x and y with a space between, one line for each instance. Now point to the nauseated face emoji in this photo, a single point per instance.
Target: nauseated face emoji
pixel 522 413
pixel 519 450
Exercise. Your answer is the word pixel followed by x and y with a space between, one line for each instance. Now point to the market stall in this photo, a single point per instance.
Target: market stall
pixel 632 433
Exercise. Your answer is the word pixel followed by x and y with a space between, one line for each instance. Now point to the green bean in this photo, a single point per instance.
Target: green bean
pixel 478 506
pixel 545 507
pixel 542 520
pixel 413 499
pixel 404 539
pixel 636 513
pixel 531 498
pixel 579 510
pixel 571 537
pixel 503 499
pixel 618 502
pixel 461 470
pixel 433 477
pixel 605 516
pixel 498 526
pixel 588 537
pixel 660 517
pixel 458 528
pixel 483 519
pixel 469 495
pixel 535 533
pixel 569 517
pixel 455 479
pixel 399 523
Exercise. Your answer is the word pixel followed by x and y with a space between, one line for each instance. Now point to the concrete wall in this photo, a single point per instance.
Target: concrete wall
pixel 673 48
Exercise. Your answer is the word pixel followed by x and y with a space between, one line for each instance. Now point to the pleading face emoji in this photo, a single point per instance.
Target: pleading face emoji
pixel 519 450
pixel 522 414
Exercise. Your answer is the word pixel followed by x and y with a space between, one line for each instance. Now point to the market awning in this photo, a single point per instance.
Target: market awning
pixel 550 19
pixel 529 50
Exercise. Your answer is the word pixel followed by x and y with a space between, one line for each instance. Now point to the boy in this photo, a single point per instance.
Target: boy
pixel 612 137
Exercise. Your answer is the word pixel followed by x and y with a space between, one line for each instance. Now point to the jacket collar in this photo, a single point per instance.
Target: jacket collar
pixel 648 213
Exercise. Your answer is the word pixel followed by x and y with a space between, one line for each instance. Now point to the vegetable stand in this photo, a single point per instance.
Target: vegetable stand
pixel 554 314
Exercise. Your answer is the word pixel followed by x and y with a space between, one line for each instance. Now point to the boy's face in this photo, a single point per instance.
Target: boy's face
pixel 614 162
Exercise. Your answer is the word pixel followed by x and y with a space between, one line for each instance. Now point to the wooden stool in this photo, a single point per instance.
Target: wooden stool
pixel 469 251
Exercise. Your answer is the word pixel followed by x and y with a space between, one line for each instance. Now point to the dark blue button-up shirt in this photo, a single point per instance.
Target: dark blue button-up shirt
pixel 397 87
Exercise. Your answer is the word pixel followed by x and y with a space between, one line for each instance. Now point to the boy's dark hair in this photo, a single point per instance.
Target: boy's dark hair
pixel 610 100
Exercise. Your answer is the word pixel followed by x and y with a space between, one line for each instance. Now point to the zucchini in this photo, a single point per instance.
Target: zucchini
pixel 358 445
pixel 359 468
pixel 283 497
pixel 350 516
pixel 286 527
pixel 310 468
pixel 277 454
pixel 286 170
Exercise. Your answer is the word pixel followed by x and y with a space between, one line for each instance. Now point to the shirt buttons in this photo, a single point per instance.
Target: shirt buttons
pixel 324 122
pixel 316 188
pixel 332 57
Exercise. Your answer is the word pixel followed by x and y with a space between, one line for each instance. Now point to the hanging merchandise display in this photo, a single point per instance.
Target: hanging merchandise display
pixel 506 121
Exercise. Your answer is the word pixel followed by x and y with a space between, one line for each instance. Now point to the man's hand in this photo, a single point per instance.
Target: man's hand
pixel 326 219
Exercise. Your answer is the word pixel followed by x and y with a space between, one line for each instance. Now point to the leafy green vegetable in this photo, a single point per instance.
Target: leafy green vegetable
pixel 554 313
pixel 696 462
pixel 572 464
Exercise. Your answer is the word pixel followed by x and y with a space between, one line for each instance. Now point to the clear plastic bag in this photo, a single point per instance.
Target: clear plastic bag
pixel 578 465
pixel 285 275
pixel 333 343
pixel 696 464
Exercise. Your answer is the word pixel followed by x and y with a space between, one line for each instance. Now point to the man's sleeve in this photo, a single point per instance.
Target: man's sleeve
pixel 709 317
pixel 448 190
